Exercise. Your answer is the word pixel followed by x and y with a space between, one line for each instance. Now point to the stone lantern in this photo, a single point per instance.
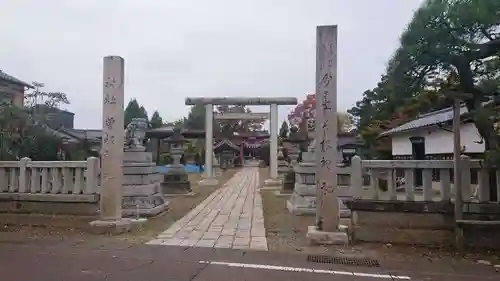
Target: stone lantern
pixel 175 180
pixel 292 144
pixel 282 164
pixel 303 199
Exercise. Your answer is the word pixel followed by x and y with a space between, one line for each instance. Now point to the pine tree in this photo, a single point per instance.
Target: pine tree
pixel 156 120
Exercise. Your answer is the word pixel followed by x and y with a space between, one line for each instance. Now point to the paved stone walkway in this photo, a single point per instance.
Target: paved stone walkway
pixel 231 217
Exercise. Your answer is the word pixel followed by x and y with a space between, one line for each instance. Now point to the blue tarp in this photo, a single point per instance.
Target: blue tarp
pixel 190 168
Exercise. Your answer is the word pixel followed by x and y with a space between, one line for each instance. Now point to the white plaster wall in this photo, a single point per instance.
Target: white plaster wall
pixel 438 141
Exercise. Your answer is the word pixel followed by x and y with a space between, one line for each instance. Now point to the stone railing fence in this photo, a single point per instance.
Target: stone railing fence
pixel 26 178
pixel 436 180
pixel 413 202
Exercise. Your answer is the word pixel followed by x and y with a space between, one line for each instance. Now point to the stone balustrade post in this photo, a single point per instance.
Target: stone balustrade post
pixel 91 175
pixel 23 177
pixel 356 187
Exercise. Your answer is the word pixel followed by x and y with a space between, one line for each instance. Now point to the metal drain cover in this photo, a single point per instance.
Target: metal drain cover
pixel 343 260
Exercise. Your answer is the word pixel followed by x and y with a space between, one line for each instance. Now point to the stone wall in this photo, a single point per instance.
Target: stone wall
pixel 50 204
pixel 415 223
pixel 402 211
pixel 418 223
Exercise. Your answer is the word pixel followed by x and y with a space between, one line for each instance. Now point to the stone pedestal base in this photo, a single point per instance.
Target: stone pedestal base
pixel 216 171
pixel 141 187
pixel 344 211
pixel 111 226
pixel 282 193
pixel 272 183
pixel 208 182
pixel 143 200
pixel 288 182
pixel 146 209
pixel 175 181
pixel 282 171
pixel 176 187
pixel 299 209
pixel 303 200
pixel 317 237
pixel 190 194
pixel 252 163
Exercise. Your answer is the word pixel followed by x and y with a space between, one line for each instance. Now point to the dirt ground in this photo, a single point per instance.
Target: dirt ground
pixel 31 227
pixel 287 233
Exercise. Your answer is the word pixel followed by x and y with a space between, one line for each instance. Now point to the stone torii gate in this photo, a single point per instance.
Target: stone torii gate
pixel 208 178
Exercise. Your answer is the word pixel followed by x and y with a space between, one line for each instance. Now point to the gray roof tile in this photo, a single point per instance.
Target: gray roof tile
pixel 10 78
pixel 227 143
pixel 426 120
pixel 89 134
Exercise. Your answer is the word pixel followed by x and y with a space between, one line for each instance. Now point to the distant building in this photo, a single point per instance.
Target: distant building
pixel 12 89
pixel 77 137
pixel 55 117
pixel 430 136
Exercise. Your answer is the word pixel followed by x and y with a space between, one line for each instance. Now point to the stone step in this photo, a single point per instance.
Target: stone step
pixel 137 156
pixel 141 189
pixel 139 170
pixel 141 179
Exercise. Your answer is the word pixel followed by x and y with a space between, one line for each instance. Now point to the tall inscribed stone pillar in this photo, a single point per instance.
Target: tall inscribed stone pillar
pixel 112 148
pixel 326 230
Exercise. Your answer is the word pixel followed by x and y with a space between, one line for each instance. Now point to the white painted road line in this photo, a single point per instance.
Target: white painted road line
pixel 307 270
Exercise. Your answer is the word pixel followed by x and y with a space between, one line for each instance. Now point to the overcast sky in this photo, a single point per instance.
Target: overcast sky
pixel 175 49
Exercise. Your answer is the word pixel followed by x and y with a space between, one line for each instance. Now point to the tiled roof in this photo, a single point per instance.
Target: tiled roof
pixel 91 134
pixel 12 79
pixel 227 143
pixel 163 129
pixel 253 145
pixel 262 134
pixel 347 139
pixel 426 120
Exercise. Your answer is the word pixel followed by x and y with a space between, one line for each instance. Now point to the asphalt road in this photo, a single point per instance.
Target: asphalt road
pixel 79 261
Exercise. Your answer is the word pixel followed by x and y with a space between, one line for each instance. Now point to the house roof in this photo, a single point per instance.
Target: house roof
pixel 255 134
pixel 91 134
pixel 12 79
pixel 226 143
pixel 41 107
pixel 254 145
pixel 163 129
pixel 167 131
pixel 347 139
pixel 426 120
